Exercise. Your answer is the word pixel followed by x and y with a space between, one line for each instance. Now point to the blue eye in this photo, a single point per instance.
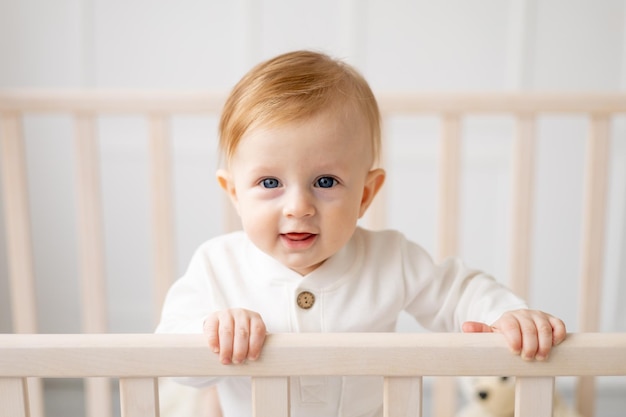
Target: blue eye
pixel 325 182
pixel 270 183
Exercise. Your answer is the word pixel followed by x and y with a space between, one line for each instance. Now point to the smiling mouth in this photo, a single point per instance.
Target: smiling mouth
pixel 298 236
pixel 298 241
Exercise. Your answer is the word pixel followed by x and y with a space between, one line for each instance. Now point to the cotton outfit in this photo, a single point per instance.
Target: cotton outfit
pixel 362 288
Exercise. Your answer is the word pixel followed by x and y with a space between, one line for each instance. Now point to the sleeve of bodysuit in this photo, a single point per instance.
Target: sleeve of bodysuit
pixel 443 296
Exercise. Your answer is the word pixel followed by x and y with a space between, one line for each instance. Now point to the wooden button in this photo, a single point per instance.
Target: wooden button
pixel 305 300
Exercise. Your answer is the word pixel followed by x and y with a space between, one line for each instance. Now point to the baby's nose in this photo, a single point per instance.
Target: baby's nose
pixel 298 204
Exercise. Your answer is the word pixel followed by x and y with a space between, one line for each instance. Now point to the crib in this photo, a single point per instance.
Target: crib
pixel 401 359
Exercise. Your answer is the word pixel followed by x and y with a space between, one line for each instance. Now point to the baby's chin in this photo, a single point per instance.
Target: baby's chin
pixel 298 260
pixel 302 268
pixel 305 270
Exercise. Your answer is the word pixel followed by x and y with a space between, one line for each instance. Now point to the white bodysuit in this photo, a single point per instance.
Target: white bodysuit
pixel 363 288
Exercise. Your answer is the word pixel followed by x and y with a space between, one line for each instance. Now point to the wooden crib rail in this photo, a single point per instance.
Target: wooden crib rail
pixel 129 101
pixel 402 359
pixel 347 354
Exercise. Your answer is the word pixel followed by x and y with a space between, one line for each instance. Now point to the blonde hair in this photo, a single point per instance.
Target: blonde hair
pixel 294 86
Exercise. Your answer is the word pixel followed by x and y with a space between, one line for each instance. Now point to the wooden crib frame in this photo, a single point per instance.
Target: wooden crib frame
pixel 158 108
pixel 401 359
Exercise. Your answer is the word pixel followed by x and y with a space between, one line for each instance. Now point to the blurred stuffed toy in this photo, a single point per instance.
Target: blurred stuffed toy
pixel 495 397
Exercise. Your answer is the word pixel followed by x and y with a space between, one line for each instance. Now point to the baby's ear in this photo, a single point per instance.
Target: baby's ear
pixel 225 180
pixel 373 182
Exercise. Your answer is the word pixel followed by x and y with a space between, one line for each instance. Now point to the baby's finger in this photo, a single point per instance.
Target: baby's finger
pixel 257 337
pixel 226 333
pixel 476 327
pixel 530 339
pixel 509 326
pixel 559 331
pixel 241 337
pixel 210 329
pixel 544 336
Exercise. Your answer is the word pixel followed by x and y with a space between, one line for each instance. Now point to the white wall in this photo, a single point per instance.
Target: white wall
pixel 494 45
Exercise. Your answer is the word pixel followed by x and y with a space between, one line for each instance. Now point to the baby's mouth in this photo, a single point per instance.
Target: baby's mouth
pixel 298 241
pixel 298 236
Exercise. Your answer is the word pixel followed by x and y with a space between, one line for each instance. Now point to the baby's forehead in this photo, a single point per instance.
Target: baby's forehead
pixel 337 113
pixel 324 121
pixel 323 134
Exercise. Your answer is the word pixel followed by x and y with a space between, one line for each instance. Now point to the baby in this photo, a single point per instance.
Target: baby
pixel 300 135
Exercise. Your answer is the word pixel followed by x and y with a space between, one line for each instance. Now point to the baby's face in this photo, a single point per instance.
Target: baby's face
pixel 300 187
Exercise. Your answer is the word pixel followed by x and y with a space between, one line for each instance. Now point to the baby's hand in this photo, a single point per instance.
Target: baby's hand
pixel 235 334
pixel 531 333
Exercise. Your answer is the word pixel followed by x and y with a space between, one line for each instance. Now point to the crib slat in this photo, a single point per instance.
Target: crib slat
pixel 596 179
pixel 270 397
pixel 595 200
pixel 139 397
pixel 19 238
pixel 162 209
pixel 35 397
pixel 91 247
pixel 98 397
pixel 17 224
pixel 90 233
pixel 534 396
pixel 448 232
pixel 449 186
pixel 14 397
pixel 522 204
pixel 402 397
